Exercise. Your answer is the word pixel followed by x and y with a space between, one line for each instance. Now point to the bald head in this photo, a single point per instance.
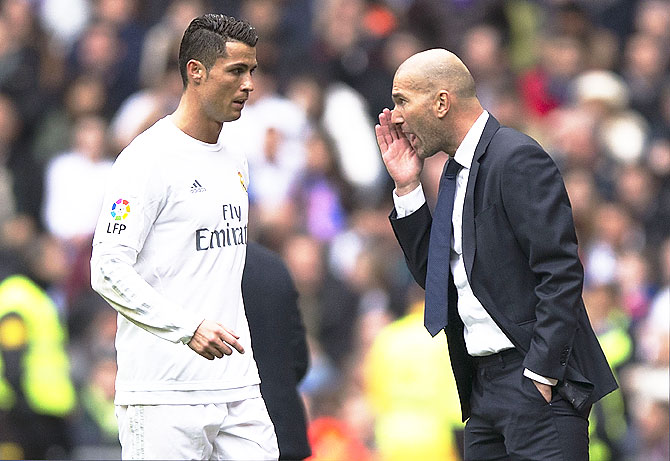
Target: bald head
pixel 438 69
pixel 435 101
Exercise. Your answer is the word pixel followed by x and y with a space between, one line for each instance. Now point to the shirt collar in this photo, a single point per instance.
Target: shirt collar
pixel 466 151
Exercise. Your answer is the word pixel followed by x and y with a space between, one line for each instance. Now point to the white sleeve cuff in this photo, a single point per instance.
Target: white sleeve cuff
pixel 540 379
pixel 409 203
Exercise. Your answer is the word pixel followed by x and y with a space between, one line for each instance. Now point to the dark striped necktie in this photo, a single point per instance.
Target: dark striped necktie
pixel 437 276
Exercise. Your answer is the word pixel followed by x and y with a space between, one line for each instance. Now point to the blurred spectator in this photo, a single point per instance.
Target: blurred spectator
pixel 100 53
pixel 329 307
pixel 91 327
pixel 391 52
pixel 341 112
pixel 487 61
pixel 23 174
pixel 601 45
pixel 651 412
pixel 654 332
pixel 122 15
pixel 444 23
pixel 616 15
pixel 642 193
pixel 623 136
pixel 653 17
pixel 658 163
pixel 145 107
pixel 93 427
pixel 96 430
pixel 65 19
pixel 332 439
pixel 345 119
pixel 415 402
pixel 545 86
pixel 22 54
pixel 570 136
pixel 584 199
pixel 341 48
pixel 320 191
pixel 84 96
pixel 608 427
pixel 621 133
pixel 266 16
pixel 635 284
pixel 47 262
pixel 645 66
pixel 648 381
pixel 75 183
pixel 600 92
pixel 161 41
pixel 36 393
pixel 614 231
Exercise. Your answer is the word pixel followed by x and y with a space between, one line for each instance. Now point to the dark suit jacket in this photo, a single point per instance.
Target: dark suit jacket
pixel 279 345
pixel 520 254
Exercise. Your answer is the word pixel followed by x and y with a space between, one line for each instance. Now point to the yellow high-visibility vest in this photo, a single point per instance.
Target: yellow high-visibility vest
pixel 29 319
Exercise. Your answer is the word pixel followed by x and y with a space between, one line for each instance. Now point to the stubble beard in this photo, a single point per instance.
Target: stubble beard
pixel 426 148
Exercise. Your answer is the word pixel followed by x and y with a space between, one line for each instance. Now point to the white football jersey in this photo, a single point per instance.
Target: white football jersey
pixel 168 252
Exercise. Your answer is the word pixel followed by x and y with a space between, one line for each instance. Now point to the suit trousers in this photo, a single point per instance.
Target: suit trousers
pixel 511 420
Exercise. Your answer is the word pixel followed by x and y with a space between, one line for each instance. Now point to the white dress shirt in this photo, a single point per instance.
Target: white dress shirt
pixel 482 334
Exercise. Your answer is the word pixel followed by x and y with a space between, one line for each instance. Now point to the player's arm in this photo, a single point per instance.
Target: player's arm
pixel 115 279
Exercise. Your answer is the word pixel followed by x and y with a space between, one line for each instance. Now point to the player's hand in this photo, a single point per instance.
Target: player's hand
pixel 212 340
pixel 400 158
pixel 545 390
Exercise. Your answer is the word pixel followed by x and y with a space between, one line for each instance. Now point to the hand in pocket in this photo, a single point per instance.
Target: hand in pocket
pixel 545 390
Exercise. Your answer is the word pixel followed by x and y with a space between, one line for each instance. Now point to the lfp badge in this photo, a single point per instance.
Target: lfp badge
pixel 120 209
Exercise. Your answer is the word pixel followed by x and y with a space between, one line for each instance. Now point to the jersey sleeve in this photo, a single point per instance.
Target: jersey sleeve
pixel 115 279
pixel 133 200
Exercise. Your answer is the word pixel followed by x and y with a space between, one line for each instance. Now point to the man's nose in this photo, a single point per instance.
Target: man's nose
pixel 248 83
pixel 396 117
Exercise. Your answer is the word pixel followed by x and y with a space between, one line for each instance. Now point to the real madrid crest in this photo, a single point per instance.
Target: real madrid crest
pixel 242 181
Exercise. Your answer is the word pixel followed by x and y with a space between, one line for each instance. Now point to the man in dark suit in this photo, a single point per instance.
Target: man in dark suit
pixel 498 259
pixel 279 345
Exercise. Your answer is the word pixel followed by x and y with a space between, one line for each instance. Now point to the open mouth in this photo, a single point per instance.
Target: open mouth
pixel 239 102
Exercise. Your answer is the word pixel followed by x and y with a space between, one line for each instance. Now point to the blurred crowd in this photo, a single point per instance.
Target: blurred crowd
pixel 79 79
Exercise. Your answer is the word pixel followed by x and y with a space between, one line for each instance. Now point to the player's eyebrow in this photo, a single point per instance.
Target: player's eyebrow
pixel 241 64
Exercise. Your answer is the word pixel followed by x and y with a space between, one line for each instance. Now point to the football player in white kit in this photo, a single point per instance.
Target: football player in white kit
pixel 168 255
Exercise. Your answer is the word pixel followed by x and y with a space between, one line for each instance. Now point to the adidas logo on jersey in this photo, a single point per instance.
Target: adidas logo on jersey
pixel 197 187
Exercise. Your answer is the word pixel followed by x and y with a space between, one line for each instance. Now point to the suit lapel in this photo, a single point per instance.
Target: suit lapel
pixel 469 246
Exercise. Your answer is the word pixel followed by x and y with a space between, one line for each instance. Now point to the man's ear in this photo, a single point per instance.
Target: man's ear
pixel 195 71
pixel 442 103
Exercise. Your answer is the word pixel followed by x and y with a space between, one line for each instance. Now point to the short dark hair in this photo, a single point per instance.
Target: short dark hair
pixel 206 36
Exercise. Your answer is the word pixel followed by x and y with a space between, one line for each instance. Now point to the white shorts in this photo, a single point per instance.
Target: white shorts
pixel 236 430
